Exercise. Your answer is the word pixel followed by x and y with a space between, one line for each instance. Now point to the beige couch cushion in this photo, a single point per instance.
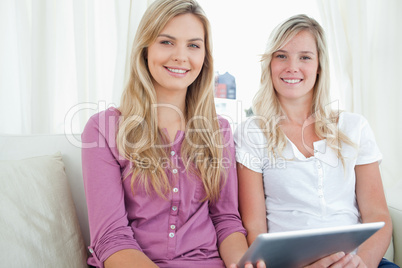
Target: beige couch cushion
pixel 38 223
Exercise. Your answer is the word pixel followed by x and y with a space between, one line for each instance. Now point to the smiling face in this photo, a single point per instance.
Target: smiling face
pixel 176 57
pixel 294 68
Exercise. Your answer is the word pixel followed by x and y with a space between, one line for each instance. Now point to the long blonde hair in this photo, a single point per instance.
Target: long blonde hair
pixel 266 104
pixel 139 114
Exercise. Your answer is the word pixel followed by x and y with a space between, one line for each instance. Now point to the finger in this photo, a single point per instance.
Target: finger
pixel 345 262
pixel 354 261
pixel 248 265
pixel 327 261
pixel 261 264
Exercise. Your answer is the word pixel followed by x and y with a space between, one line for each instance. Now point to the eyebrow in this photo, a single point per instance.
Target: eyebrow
pixel 174 38
pixel 302 52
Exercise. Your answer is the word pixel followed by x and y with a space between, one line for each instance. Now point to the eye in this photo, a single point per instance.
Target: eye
pixel 166 42
pixel 306 58
pixel 194 46
pixel 280 56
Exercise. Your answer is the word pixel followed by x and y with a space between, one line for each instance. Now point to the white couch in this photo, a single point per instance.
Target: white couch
pixel 21 147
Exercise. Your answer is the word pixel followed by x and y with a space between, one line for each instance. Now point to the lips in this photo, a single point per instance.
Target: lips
pixel 291 80
pixel 177 70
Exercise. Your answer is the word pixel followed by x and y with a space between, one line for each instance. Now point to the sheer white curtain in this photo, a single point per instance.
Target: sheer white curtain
pixel 62 61
pixel 365 45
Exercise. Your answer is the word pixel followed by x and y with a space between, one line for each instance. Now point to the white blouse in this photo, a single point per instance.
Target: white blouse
pixel 314 192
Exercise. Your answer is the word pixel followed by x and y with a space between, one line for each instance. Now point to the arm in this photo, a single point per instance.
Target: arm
pixel 338 260
pixel 224 213
pixel 373 207
pixel 129 258
pixel 252 202
pixel 111 235
pixel 252 208
pixel 233 248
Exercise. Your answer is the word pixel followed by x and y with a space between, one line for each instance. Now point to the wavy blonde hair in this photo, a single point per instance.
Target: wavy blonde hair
pixel 266 104
pixel 139 113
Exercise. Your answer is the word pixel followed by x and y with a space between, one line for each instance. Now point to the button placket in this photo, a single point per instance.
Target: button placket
pixel 171 231
pixel 320 186
pixel 174 161
pixel 175 202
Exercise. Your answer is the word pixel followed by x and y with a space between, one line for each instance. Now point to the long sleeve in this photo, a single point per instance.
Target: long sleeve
pixel 224 213
pixel 102 172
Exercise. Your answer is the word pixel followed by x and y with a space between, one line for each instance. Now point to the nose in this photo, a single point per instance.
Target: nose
pixel 179 54
pixel 292 66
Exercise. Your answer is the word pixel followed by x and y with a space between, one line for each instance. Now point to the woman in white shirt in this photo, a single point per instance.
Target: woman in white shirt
pixel 301 164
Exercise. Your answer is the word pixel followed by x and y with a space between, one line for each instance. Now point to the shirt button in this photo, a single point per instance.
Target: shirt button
pixel 172 226
pixel 320 196
pixel 174 171
pixel 174 208
pixel 172 153
pixel 171 235
pixel 175 190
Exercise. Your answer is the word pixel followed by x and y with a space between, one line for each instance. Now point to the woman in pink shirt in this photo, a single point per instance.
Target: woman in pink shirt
pixel 159 171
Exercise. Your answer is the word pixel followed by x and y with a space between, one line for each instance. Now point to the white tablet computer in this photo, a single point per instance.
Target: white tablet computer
pixel 300 248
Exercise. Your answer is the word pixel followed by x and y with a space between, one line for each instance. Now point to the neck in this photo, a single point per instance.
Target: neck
pixel 298 111
pixel 171 110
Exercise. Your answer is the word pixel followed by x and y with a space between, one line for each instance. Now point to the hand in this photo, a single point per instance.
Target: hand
pixel 260 264
pixel 339 260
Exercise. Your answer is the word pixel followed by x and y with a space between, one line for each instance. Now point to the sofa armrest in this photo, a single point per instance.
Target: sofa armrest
pixel 396 214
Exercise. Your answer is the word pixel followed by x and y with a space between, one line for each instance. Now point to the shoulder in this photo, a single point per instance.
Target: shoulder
pixel 225 129
pixel 250 126
pixel 251 123
pixel 223 122
pixel 357 128
pixel 349 122
pixel 351 117
pixel 100 118
pixel 249 132
pixel 107 115
pixel 102 122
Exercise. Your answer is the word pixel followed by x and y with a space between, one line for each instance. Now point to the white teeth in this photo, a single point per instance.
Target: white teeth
pixel 178 71
pixel 292 81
